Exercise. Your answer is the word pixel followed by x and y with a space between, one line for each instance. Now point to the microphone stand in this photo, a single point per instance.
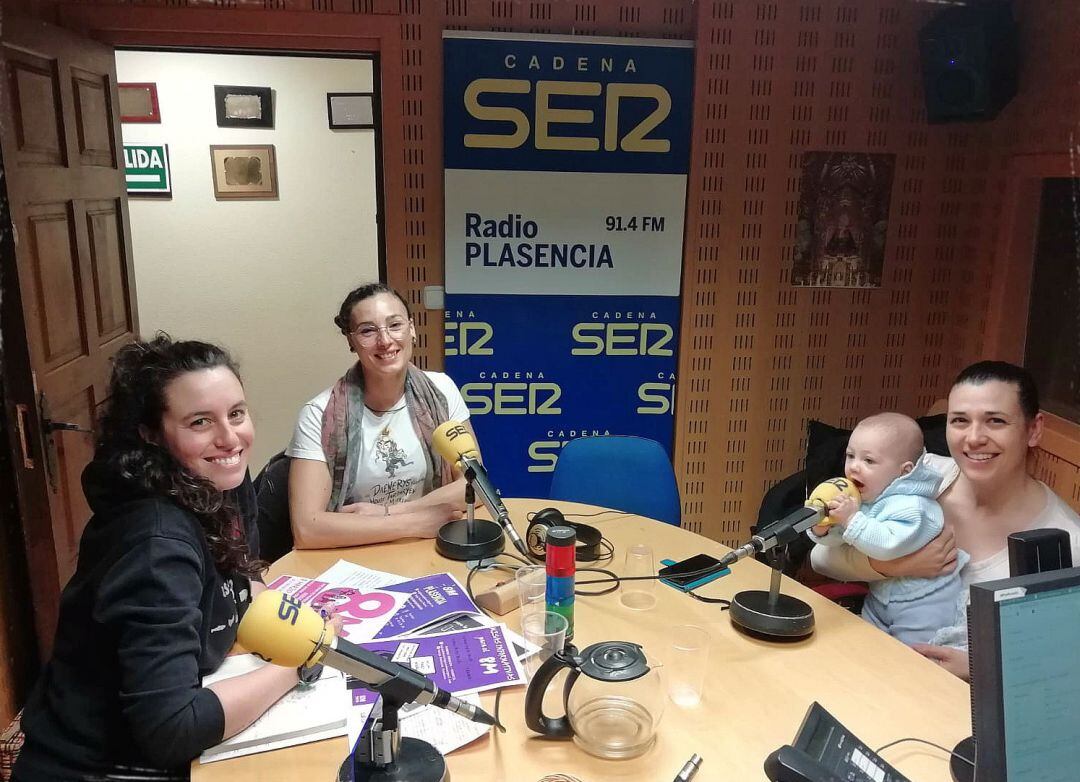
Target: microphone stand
pixel 382 755
pixel 772 615
pixel 470 538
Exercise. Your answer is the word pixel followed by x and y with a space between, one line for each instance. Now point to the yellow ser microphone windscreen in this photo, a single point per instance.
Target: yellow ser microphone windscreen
pixel 830 490
pixel 282 630
pixel 452 440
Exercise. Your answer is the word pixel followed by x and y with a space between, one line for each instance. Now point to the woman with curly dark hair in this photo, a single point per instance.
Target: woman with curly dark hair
pixel 167 565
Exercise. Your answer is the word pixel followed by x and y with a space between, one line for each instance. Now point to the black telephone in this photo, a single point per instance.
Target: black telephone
pixel 826 751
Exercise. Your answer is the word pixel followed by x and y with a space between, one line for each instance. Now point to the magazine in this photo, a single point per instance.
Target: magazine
pixel 364 610
pixel 429 600
pixel 471 660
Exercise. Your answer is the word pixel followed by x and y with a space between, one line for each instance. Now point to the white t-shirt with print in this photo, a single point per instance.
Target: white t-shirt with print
pixel 392 466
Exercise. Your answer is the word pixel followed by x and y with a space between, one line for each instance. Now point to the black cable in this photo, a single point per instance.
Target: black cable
pixel 469 592
pixel 498 700
pixel 530 514
pixel 724 604
pixel 598 513
pixel 611 581
pixel 608 551
pixel 614 581
pixel 969 761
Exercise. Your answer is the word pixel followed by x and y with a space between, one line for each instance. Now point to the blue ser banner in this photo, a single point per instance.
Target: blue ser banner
pixel 565 189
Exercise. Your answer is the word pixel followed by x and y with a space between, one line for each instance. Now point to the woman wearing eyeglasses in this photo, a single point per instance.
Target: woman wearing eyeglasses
pixel 363 468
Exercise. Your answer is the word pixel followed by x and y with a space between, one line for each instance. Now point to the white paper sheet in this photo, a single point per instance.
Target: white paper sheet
pixel 302 715
pixel 343 573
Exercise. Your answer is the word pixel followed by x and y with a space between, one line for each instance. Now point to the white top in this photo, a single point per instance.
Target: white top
pixel 850 565
pixel 392 467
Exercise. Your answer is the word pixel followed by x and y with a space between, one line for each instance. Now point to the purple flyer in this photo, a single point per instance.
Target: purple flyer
pixel 467 661
pixel 431 599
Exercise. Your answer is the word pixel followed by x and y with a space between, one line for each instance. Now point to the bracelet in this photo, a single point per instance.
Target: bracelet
pixel 307 675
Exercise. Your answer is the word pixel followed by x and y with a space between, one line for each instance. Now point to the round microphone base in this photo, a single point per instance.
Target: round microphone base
pixel 455 542
pixel 962 771
pixel 771 617
pixel 416 761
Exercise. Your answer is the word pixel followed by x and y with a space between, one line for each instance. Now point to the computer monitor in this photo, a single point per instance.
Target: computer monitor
pixel 1024 639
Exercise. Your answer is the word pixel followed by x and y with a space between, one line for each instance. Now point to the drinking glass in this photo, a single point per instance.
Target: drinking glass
pixel 638 595
pixel 687 661
pixel 547 630
pixel 531 586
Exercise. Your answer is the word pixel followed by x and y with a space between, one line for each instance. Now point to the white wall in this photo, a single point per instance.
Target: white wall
pixel 263 278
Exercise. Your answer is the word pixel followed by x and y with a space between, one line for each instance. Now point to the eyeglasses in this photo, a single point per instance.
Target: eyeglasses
pixel 368 333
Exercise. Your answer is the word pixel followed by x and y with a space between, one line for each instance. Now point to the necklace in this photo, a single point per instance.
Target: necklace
pixel 383 412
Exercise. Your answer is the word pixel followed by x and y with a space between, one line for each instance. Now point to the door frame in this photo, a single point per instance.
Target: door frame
pixel 280 32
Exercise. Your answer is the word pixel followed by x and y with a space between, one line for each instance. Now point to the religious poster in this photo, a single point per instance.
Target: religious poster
pixel 843 220
pixel 566 163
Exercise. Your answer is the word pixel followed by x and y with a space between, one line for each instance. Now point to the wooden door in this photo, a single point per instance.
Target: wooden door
pixel 73 289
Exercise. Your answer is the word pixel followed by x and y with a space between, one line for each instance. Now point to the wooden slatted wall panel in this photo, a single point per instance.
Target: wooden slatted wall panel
pixel 775 79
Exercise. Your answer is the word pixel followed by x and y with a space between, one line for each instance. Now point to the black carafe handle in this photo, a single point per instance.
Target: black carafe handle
pixel 550 727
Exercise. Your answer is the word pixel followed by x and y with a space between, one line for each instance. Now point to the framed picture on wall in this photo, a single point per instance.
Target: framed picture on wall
pixel 244 171
pixel 843 219
pixel 243 107
pixel 138 102
pixel 350 110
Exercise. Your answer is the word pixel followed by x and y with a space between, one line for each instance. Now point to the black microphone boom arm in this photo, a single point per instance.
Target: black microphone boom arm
pixel 778 533
pixel 493 502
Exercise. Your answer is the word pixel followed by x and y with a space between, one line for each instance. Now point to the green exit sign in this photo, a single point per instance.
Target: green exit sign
pixel 146 168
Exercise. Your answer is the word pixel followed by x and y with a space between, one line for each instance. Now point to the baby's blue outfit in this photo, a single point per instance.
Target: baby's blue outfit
pixel 903 519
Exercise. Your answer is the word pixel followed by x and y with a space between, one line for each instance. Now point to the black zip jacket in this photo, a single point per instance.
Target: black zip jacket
pixel 143 619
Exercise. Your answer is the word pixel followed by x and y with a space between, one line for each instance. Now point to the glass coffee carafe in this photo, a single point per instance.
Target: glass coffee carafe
pixel 613 700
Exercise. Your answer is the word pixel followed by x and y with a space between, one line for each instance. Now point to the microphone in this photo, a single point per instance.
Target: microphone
pixel 282 630
pixel 455 443
pixel 783 531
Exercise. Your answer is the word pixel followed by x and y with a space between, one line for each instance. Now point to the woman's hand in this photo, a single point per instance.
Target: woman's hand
pixel 336 622
pixel 936 558
pixel 955 661
pixel 432 517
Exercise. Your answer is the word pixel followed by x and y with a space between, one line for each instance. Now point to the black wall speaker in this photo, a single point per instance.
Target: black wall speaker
pixel 969 61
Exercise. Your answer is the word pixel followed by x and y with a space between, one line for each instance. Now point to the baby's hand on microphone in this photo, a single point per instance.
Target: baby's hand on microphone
pixel 842 509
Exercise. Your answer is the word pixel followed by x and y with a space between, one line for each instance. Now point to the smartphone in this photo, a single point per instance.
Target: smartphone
pixel 687 574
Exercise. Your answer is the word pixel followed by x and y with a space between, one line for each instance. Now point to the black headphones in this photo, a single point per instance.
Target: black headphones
pixel 588 538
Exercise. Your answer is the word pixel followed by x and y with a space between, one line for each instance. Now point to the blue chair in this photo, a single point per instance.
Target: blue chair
pixel 631 474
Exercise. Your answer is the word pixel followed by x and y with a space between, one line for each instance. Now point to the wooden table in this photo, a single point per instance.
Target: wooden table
pixel 756 692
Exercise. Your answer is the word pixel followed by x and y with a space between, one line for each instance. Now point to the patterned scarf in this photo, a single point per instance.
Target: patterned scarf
pixel 342 430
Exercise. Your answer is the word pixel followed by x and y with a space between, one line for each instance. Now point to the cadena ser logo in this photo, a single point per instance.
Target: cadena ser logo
pixel 622 339
pixel 504 393
pixel 289 609
pixel 454 432
pixel 544 454
pixel 510 127
pixel 468 339
pixel 657 397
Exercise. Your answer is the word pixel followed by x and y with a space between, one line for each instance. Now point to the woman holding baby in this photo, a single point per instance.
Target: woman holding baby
pixel 993 421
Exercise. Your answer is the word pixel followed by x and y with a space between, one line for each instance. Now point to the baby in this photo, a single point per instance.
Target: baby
pixel 899 514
